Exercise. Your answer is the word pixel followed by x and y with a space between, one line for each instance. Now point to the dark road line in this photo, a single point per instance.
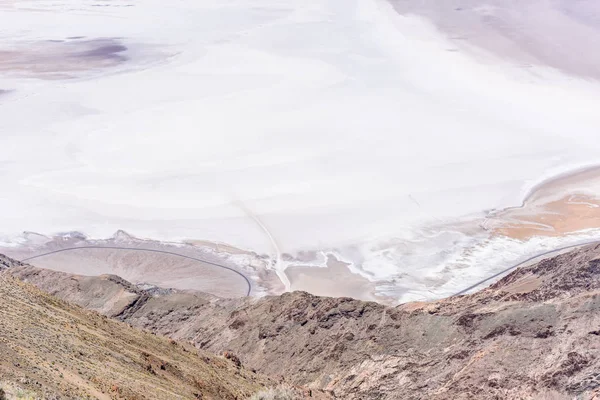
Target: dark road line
pixel 148 250
pixel 249 291
pixel 522 263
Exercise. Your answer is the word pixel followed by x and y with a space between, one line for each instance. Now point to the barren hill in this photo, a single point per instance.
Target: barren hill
pixel 53 350
pixel 535 334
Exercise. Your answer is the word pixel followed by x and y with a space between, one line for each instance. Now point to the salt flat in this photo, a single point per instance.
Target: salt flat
pixel 378 132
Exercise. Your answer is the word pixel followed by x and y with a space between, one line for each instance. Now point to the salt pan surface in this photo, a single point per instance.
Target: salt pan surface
pixel 342 125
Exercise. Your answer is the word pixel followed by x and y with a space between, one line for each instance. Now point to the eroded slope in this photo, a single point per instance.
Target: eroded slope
pixel 51 349
pixel 534 334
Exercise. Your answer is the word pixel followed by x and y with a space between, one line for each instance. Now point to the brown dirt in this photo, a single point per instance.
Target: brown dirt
pixel 51 349
pixel 335 280
pixel 555 208
pixel 556 218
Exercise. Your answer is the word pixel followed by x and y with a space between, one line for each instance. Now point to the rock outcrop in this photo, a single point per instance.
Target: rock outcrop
pixel 6 262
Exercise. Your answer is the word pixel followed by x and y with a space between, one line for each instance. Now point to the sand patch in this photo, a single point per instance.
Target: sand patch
pixel 524 285
pixel 555 208
pixel 568 215
pixel 219 247
pixel 334 281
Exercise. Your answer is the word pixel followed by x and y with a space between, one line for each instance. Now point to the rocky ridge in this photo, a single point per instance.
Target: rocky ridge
pixel 535 334
pixel 6 262
pixel 50 349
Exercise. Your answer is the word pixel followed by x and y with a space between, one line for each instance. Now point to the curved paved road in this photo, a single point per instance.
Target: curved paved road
pixel 504 271
pixel 147 250
pixel 522 263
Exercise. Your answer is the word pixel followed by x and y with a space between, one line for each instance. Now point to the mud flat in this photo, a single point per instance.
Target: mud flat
pixel 557 207
pixel 166 265
pixel 334 280
pixel 61 58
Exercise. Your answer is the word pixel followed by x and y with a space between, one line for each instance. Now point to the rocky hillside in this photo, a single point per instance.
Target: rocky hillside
pixel 6 262
pixel 535 334
pixel 50 349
